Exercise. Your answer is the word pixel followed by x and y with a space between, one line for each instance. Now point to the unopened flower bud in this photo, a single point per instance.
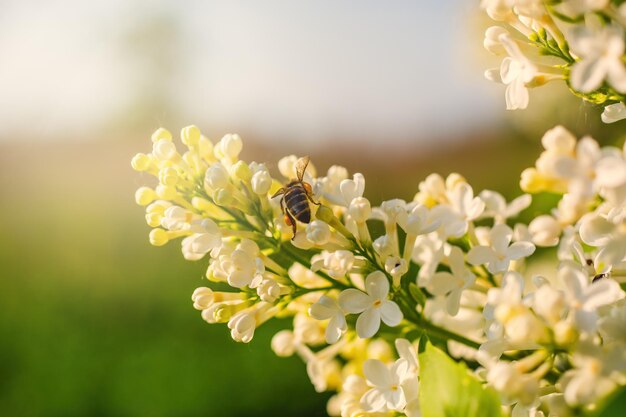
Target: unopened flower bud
pixel 190 135
pixel 202 298
pixel 141 162
pixel 145 196
pixel 216 176
pixel 261 182
pixel 454 179
pixel 360 209
pixel 241 170
pixel 268 290
pixel 565 333
pixel 161 134
pixel 166 192
pixel 158 237
pixel 318 232
pixel 229 146
pixel 168 176
pixel 223 197
pixel 205 147
pixel 164 150
pixel 283 343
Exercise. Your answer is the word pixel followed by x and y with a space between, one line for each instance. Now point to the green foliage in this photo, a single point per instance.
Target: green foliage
pixel 448 389
pixel 614 406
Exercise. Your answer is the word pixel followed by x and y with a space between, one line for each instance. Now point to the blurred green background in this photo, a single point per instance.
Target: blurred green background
pixel 96 322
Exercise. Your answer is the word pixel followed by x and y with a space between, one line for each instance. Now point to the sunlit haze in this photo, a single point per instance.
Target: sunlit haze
pixel 283 70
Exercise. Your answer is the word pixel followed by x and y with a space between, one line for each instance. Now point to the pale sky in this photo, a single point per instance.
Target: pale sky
pixel 305 70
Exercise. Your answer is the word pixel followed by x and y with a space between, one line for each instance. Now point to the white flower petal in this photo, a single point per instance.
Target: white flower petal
pixel 587 75
pixel 373 400
pixel 368 323
pixel 390 313
pixel 520 250
pixel 354 301
pixel 324 308
pixel 479 255
pixel 377 373
pixel 377 286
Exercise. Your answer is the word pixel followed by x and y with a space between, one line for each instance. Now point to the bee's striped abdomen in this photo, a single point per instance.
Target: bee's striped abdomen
pixel 297 202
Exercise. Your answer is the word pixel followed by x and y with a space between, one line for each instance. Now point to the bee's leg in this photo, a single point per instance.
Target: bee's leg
pixel 279 192
pixel 308 196
pixel 291 222
pixel 282 204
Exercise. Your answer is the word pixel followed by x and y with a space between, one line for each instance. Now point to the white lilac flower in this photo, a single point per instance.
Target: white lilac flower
pixel 613 113
pixel 206 237
pixel 410 384
pixel 351 189
pixel 497 208
pixel 328 187
pixel 592 376
pixel 372 305
pixel 451 284
pixel 601 50
pixel 327 308
pixel 516 71
pixel 318 232
pixel 545 230
pixel 337 263
pixel 386 393
pixel 261 180
pixel 228 148
pixel 283 343
pixel 584 297
pixel 419 221
pixel 580 7
pixel 240 267
pixel 516 386
pixel 612 324
pixel 501 252
pixel 268 290
pixel 463 208
pixel 607 233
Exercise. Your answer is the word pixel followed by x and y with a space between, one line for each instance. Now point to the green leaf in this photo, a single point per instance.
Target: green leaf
pixel 417 294
pixel 448 389
pixel 614 405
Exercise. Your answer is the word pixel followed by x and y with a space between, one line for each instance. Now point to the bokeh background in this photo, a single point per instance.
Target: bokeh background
pixel 94 321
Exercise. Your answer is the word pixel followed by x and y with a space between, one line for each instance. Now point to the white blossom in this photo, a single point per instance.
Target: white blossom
pixel 372 305
pixel 614 113
pixel 327 308
pixel 601 50
pixel 501 252
pixel 386 393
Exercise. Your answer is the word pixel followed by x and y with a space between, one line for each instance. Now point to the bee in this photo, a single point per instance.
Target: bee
pixel 296 196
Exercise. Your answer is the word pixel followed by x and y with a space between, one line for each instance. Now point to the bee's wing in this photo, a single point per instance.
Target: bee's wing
pixel 301 165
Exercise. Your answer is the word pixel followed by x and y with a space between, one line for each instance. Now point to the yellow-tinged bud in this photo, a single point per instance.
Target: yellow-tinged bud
pixel 454 179
pixel 242 171
pixel 201 204
pixel 205 148
pixel 158 207
pixel 190 135
pixel 161 133
pixel 145 196
pixel 224 311
pixel 565 334
pixel 223 197
pixel 141 162
pixel 166 192
pixel 532 181
pixel 168 176
pixel 153 219
pixel 326 215
pixel 158 237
